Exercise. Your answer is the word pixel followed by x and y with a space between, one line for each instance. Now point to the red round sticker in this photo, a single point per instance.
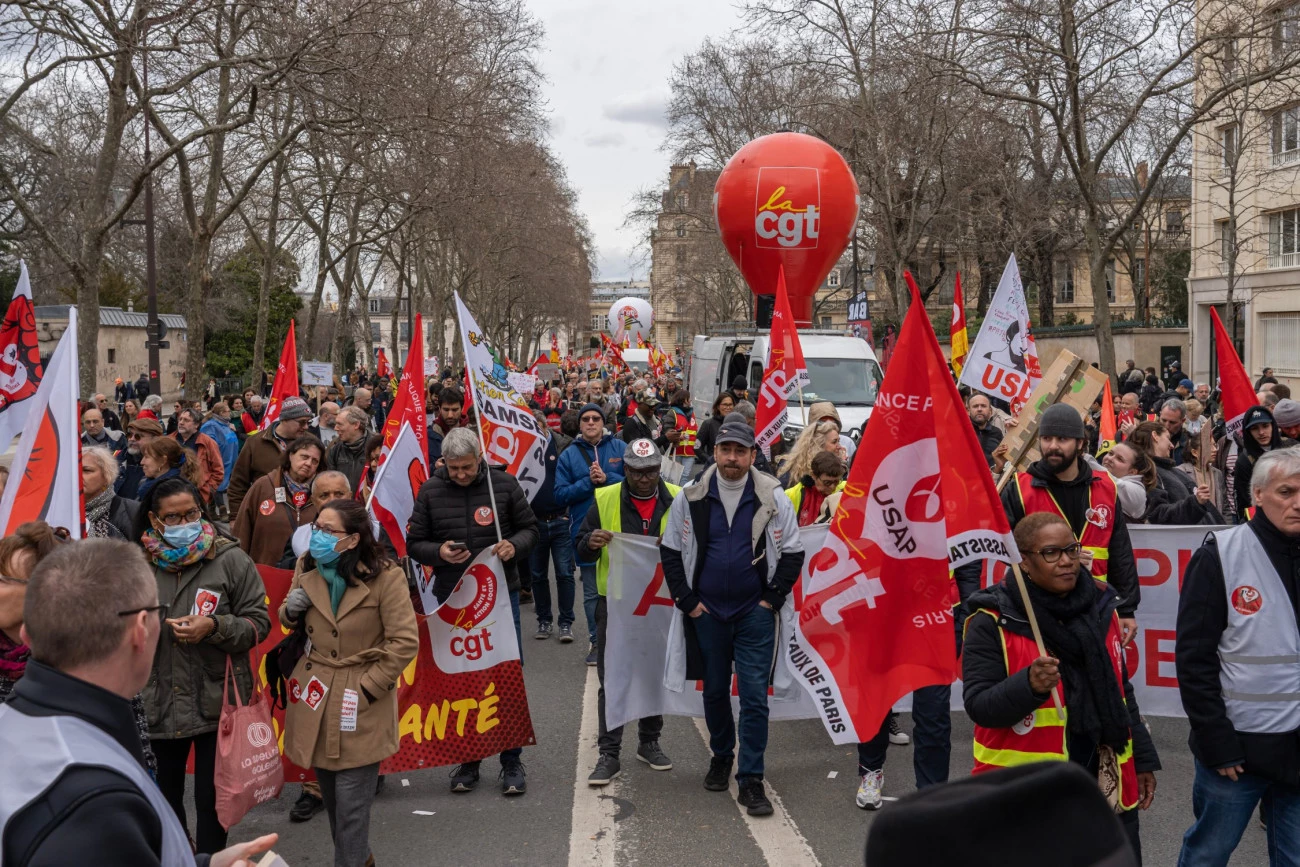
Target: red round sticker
pixel 483 516
pixel 1247 600
pixel 295 691
pixel 267 507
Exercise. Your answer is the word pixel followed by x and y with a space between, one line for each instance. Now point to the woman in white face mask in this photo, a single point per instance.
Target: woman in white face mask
pixel 214 613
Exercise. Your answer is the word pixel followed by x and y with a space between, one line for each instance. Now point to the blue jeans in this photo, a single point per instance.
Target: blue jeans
pixel 931 738
pixel 749 642
pixel 553 536
pixel 1223 810
pixel 589 597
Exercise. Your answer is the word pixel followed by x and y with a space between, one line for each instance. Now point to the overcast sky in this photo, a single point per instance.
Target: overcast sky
pixel 607 63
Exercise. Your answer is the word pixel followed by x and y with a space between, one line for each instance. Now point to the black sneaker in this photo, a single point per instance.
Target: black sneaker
pixel 753 798
pixel 607 768
pixel 566 634
pixel 591 654
pixel 512 778
pixel 543 631
pixel 305 807
pixel 465 777
pixel 652 755
pixel 719 774
pixel 525 597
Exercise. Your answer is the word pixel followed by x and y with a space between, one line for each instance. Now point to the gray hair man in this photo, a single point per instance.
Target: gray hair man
pixel 1173 414
pixel 322 427
pixel 1236 650
pixel 731 555
pixel 456 516
pixel 347 453
pixel 68 733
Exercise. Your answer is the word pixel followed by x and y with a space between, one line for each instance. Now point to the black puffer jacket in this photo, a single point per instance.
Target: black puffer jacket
pixel 1173 499
pixel 447 511
pixel 996 698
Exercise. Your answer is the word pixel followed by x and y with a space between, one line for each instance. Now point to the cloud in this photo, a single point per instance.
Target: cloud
pixel 604 140
pixel 643 108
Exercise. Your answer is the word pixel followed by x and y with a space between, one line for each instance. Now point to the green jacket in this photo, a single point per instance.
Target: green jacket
pixel 612 504
pixel 183 696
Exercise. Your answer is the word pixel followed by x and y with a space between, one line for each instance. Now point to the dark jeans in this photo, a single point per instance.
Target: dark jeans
pixel 172 755
pixel 553 536
pixel 589 597
pixel 611 740
pixel 1223 810
pixel 931 738
pixel 507 755
pixel 749 643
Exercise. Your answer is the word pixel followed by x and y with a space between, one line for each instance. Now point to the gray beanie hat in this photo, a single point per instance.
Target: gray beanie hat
pixel 642 454
pixel 1286 413
pixel 1060 420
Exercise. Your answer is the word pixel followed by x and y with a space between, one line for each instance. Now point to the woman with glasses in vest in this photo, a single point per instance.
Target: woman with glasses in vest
pixel 1010 689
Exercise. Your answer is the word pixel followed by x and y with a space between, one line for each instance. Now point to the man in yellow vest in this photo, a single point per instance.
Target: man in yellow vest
pixel 638 504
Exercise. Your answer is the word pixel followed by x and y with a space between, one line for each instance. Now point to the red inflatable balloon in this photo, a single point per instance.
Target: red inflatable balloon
pixel 786 199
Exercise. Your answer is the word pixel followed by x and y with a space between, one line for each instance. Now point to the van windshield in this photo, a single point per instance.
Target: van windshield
pixel 842 381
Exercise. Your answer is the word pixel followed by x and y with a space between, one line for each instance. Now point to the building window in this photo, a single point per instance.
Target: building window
pixel 1286 136
pixel 1286 32
pixel 375 334
pixel 826 322
pixel 1138 274
pixel 404 332
pixel 112 355
pixel 683 201
pixel 1279 339
pixel 599 321
pixel 680 226
pixel 1064 282
pixel 1284 239
pixel 1110 281
pixel 374 305
pixel 833 279
pixel 1174 221
pixel 1224 233
pixel 679 255
pixel 1228 140
pixel 683 336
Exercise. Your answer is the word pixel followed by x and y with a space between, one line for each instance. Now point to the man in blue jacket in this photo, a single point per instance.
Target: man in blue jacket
pixel 219 427
pixel 591 461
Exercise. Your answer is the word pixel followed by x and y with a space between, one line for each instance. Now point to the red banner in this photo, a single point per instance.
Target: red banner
pixel 444 718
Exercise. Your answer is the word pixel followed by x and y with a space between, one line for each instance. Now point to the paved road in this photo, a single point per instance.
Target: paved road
pixel 652 818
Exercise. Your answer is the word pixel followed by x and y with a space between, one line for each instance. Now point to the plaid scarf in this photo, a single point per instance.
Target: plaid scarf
pixel 176 559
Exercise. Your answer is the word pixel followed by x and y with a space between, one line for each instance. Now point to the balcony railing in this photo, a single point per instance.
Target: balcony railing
pixel 1284 260
pixel 1286 158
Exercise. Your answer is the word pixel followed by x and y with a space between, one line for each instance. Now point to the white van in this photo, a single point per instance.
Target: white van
pixel 843 369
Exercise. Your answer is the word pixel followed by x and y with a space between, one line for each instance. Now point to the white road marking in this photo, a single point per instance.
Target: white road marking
pixel 591 838
pixel 777 835
pixel 422 813
pixel 832 775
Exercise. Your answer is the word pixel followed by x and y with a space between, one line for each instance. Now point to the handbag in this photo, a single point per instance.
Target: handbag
pixel 248 768
pixel 280 662
pixel 669 470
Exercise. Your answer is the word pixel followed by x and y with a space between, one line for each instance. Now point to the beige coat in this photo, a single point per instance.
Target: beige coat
pixel 363 648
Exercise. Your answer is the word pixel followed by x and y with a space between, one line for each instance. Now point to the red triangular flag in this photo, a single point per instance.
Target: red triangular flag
pixel 1107 434
pixel 1234 383
pixel 876 622
pixel 286 380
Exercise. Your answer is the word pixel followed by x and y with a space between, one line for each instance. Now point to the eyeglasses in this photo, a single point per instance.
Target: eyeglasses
pixel 159 608
pixel 642 473
pixel 135 436
pixel 174 520
pixel 7 579
pixel 1052 554
pixel 337 534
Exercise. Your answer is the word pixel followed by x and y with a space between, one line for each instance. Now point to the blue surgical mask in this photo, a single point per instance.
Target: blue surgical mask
pixel 183 535
pixel 322 547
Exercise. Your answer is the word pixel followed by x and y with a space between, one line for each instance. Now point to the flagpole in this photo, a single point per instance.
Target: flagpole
pixel 1038 635
pixel 478 423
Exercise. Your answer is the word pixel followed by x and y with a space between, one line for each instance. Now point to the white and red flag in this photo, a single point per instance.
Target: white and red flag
pixel 45 476
pixel 1234 383
pixel 1003 360
pixel 404 460
pixel 877 619
pixel 783 375
pixel 286 381
pixel 20 360
pixel 382 367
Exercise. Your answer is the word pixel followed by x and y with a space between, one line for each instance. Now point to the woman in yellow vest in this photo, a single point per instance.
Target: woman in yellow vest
pixel 1008 685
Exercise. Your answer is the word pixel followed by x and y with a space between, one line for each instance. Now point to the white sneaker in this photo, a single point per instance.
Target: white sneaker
pixel 869 790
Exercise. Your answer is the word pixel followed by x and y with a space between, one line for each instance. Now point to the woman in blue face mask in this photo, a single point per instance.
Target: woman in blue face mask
pixel 215 612
pixel 355 606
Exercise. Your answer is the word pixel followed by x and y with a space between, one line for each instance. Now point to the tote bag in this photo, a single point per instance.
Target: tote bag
pixel 248 768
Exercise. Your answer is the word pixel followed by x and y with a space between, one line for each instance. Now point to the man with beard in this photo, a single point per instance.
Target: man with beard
pixel 131 473
pixel 981 418
pixel 1063 482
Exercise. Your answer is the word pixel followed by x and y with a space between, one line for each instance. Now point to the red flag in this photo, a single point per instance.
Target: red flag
pixel 877 615
pixel 1234 384
pixel 392 497
pixel 1107 434
pixel 20 360
pixel 286 380
pixel 793 349
pixel 382 367
pixel 957 334
pixel 786 370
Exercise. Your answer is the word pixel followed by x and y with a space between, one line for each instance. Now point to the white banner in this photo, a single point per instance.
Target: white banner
pixel 317 373
pixel 432 366
pixel 640 614
pixel 524 383
pixel 1003 361
pixel 474 628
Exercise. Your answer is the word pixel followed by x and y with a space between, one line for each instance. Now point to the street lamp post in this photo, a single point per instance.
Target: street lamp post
pixel 154 340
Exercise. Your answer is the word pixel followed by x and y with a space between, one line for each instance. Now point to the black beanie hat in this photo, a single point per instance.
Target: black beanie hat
pixel 1060 420
pixel 1005 818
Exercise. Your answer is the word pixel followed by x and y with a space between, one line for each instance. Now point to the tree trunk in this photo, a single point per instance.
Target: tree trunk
pixel 270 253
pixel 200 282
pixel 1100 306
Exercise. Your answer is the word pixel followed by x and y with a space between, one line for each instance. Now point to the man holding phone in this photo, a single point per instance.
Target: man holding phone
pixel 455 517
pixel 593 460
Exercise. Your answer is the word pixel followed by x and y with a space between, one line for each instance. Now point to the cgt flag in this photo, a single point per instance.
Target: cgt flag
pixel 876 622
pixel 20 360
pixel 1234 384
pixel 45 476
pixel 286 380
pixel 406 448
pixel 785 374
pixel 960 342
pixel 382 367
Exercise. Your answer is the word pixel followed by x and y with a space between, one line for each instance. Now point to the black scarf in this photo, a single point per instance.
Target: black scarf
pixel 1073 633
